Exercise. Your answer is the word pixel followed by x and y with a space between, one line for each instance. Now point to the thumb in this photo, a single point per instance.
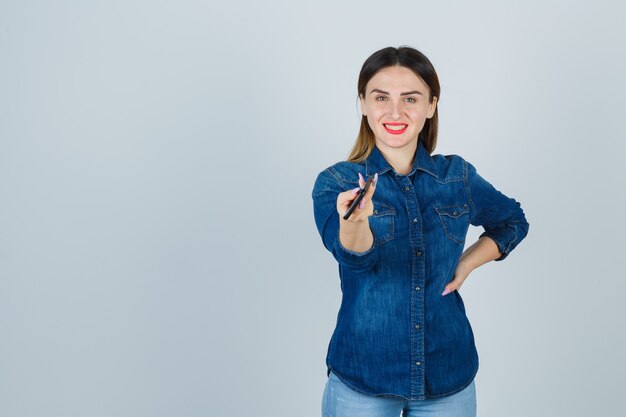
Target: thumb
pixel 453 285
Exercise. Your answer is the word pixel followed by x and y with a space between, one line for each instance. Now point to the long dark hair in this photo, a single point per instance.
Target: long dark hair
pixel 417 62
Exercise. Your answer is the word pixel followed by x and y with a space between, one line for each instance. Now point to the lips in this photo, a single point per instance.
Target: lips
pixel 395 128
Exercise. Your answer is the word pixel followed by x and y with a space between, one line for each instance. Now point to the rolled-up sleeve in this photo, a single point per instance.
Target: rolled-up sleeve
pixel 502 217
pixel 324 194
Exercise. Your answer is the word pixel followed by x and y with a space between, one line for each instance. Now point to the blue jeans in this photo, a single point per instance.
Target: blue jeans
pixel 340 401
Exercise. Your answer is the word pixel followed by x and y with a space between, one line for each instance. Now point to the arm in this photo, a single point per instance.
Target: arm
pixel 501 217
pixel 355 233
pixel 481 252
pixel 504 223
pixel 350 241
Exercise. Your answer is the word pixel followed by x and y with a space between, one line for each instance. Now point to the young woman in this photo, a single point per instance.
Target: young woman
pixel 402 340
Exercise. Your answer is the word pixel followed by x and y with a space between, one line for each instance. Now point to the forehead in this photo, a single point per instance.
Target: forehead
pixel 396 78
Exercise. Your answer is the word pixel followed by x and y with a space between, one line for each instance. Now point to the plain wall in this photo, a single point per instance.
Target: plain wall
pixel 158 254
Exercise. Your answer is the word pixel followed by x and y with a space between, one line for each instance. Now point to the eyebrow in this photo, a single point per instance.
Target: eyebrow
pixel 406 93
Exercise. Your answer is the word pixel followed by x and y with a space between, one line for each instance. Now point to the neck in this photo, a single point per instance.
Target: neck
pixel 400 159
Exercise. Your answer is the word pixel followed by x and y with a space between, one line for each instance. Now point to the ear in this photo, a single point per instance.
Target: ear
pixel 432 107
pixel 363 106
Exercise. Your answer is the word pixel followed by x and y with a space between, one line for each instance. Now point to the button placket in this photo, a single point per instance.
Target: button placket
pixel 416 313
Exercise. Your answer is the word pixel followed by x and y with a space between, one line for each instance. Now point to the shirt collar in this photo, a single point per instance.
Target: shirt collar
pixel 376 162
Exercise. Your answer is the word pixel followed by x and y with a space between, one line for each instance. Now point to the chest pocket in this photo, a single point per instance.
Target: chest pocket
pixel 454 221
pixel 381 222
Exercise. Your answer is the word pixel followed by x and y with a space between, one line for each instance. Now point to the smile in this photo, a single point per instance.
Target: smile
pixel 395 128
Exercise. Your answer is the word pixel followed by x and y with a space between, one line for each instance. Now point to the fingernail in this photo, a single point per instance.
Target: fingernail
pixel 361 204
pixel 446 292
pixel 375 178
pixel 361 177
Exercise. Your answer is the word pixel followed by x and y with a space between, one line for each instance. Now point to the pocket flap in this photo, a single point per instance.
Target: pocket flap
pixel 453 211
pixel 382 209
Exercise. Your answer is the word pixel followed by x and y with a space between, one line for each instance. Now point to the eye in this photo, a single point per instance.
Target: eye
pixel 381 98
pixel 410 100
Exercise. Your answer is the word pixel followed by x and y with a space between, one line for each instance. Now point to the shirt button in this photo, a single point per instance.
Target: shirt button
pixel 417 326
pixel 414 220
pixel 418 253
pixel 417 288
pixel 418 363
pixel 407 188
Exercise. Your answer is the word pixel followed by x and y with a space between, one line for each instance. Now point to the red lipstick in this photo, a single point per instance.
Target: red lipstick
pixel 395 132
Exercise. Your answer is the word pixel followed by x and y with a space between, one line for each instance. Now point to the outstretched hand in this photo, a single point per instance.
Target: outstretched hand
pixel 365 208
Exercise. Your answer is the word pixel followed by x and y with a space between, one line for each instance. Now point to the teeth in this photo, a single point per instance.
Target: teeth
pixel 398 127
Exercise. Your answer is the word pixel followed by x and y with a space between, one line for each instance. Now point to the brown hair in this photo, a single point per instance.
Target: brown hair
pixel 418 63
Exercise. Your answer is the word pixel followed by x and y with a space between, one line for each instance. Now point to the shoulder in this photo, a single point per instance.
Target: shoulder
pixel 450 167
pixel 341 175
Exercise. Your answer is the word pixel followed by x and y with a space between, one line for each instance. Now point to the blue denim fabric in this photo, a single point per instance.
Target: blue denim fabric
pixel 338 400
pixel 396 335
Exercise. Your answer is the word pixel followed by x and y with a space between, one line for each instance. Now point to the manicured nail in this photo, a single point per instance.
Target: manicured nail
pixel 361 177
pixel 446 292
pixel 355 190
pixel 362 204
pixel 375 179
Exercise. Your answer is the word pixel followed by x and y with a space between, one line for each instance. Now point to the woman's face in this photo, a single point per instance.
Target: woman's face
pixel 396 105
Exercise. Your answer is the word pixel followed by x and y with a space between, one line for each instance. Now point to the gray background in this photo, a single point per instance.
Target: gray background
pixel 158 255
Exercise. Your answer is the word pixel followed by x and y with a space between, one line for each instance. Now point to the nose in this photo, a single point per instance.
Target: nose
pixel 395 109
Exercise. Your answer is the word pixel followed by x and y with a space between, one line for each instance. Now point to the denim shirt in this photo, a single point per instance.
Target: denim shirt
pixel 396 335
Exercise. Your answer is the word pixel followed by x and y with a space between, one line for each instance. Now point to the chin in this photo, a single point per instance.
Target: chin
pixel 396 145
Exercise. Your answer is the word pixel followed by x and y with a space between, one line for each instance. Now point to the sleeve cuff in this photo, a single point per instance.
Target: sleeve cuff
pixel 505 239
pixel 360 261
